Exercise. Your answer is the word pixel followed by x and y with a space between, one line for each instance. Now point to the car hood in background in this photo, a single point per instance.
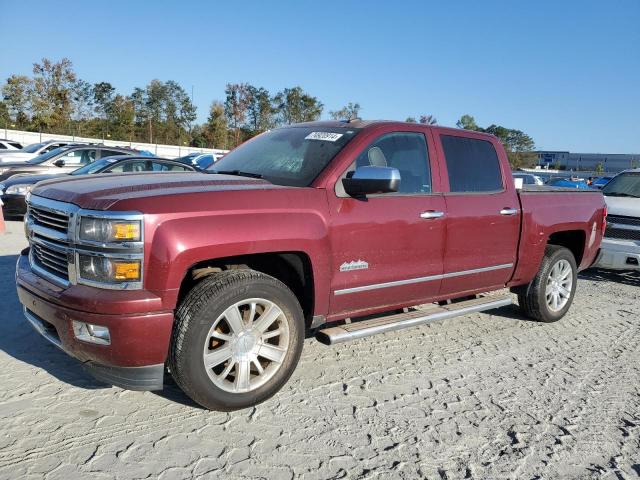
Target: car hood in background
pixel 21 178
pixel 626 206
pixel 99 192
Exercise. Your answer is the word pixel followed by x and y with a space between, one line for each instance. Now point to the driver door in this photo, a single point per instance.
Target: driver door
pixel 387 249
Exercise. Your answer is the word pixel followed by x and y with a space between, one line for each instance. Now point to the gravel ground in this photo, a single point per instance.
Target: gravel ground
pixel 488 395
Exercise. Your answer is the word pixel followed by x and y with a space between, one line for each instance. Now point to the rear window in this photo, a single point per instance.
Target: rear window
pixel 15 145
pixel 472 164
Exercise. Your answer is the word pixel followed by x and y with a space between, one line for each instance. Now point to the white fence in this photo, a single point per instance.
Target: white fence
pixel 169 151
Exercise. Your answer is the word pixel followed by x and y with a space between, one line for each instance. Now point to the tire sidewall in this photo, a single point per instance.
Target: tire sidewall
pixel 560 254
pixel 191 360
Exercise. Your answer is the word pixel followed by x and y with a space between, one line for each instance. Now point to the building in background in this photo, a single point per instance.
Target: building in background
pixel 611 162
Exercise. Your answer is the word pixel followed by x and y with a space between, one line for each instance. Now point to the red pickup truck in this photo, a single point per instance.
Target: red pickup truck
pixel 337 228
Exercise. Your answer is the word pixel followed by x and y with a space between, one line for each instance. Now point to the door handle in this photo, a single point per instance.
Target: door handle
pixel 431 214
pixel 508 211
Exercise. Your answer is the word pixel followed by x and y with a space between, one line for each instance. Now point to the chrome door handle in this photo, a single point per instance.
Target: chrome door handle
pixel 508 211
pixel 431 214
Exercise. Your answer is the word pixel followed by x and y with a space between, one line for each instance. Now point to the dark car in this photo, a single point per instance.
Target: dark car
pixel 61 160
pixel 14 189
pixel 200 160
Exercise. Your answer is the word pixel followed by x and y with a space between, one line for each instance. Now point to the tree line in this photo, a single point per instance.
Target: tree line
pixel 55 100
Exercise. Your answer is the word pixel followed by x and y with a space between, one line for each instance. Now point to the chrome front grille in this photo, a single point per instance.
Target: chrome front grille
pixel 51 258
pixel 623 228
pixel 49 218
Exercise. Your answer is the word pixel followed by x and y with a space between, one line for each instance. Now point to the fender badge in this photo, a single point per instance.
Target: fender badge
pixel 354 265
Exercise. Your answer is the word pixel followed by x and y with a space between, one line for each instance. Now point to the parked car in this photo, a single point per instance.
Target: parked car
pixel 528 178
pixel 200 160
pixel 9 145
pixel 216 276
pixel 621 244
pixel 600 182
pixel 579 183
pixel 61 160
pixel 14 190
pixel 31 151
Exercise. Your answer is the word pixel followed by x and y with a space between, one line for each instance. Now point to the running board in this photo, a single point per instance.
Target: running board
pixel 426 314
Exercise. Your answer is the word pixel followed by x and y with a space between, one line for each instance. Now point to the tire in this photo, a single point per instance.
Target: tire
pixel 533 299
pixel 204 332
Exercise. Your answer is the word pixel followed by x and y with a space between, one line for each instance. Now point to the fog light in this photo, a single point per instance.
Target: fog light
pixel 91 333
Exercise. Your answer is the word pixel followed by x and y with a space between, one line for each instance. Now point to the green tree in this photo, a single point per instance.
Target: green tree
pixel 5 118
pixel 295 106
pixel 599 168
pixel 468 123
pixel 17 93
pixel 235 107
pixel 260 110
pixel 82 103
pixel 216 131
pixel 53 84
pixel 428 120
pixel 349 112
pixel 411 120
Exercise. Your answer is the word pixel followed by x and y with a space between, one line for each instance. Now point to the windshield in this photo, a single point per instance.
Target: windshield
pixel 624 185
pixel 43 157
pixel 292 156
pixel 92 167
pixel 33 148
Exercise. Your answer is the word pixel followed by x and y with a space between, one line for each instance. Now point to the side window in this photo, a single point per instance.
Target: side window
pixel 3 146
pixel 133 166
pixel 169 167
pixel 406 151
pixel 72 158
pixel 472 164
pixel 109 153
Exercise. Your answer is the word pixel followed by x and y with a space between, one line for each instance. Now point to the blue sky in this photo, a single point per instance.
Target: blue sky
pixel 566 72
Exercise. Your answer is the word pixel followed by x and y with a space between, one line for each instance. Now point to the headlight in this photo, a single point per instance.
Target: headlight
pixel 109 270
pixel 19 189
pixel 105 230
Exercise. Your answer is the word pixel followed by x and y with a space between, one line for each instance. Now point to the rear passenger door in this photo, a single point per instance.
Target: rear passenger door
pixel 483 217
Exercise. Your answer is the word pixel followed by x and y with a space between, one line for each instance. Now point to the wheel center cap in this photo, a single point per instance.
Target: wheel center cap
pixel 244 343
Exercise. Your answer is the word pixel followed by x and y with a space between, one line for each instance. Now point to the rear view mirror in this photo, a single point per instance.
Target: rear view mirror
pixel 370 180
pixel 59 163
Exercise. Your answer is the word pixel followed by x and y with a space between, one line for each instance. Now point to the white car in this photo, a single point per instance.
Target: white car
pixel 9 145
pixel 30 151
pixel 620 248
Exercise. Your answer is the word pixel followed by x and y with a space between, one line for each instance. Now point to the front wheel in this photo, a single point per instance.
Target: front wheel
pixel 237 339
pixel 550 294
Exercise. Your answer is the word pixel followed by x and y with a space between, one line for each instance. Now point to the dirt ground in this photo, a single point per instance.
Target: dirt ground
pixel 488 395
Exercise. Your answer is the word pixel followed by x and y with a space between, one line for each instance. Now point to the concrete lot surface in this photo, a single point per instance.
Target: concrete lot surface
pixel 488 395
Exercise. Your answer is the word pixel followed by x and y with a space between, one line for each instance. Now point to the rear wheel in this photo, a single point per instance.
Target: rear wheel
pixel 550 294
pixel 237 339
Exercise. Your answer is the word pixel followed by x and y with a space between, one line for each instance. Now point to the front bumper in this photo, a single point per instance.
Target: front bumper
pixel 618 255
pixel 139 341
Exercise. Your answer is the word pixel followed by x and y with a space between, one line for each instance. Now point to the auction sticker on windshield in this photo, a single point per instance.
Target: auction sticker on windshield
pixel 326 136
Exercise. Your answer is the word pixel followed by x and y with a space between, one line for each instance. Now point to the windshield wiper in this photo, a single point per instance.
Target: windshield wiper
pixel 239 173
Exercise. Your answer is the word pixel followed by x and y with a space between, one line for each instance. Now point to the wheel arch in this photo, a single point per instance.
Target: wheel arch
pixel 573 240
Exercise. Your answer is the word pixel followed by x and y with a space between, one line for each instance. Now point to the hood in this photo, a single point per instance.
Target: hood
pixel 626 206
pixel 99 192
pixel 29 179
pixel 12 155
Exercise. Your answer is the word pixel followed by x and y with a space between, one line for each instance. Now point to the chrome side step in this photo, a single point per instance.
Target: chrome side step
pixel 425 314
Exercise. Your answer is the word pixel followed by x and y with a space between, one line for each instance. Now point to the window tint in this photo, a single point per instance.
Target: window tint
pixel 472 164
pixel 133 166
pixel 110 153
pixel 3 146
pixel 406 151
pixel 169 167
pixel 15 145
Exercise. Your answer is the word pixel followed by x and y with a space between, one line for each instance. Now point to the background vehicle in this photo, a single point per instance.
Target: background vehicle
pixel 579 183
pixel 600 182
pixel 14 189
pixel 9 145
pixel 200 160
pixel 621 244
pixel 30 151
pixel 61 160
pixel 216 276
pixel 528 178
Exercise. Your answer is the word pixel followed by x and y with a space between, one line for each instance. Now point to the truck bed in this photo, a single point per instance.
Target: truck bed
pixel 551 189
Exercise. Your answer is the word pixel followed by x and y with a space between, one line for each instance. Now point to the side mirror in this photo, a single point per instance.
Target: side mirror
pixel 59 163
pixel 370 180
